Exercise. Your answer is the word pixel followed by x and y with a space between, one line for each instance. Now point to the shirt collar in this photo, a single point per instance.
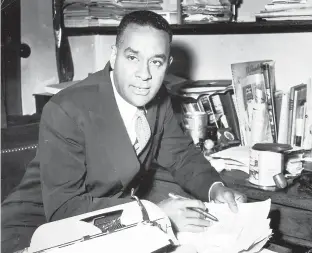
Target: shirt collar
pixel 126 109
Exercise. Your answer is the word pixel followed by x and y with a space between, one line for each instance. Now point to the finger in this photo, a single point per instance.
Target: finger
pixel 229 198
pixel 240 197
pixel 192 214
pixel 191 203
pixel 196 225
pixel 199 222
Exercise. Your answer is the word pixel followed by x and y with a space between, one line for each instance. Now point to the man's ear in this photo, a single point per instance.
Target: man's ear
pixel 169 62
pixel 113 57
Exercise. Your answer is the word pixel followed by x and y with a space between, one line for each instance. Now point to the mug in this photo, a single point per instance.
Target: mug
pixel 263 166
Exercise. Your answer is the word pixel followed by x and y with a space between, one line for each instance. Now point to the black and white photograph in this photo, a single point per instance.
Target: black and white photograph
pixel 156 126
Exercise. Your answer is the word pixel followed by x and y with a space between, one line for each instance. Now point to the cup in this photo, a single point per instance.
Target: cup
pixel 195 124
pixel 263 166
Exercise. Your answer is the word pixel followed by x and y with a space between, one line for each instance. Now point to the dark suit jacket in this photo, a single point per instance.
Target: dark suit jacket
pixel 86 158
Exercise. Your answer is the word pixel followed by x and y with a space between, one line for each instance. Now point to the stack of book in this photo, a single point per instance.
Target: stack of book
pixel 286 10
pixel 84 13
pixel 205 11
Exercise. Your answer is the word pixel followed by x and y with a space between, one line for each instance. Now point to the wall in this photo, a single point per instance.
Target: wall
pixel 40 68
pixel 209 58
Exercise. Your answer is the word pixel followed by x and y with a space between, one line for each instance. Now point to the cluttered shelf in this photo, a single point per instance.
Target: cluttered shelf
pixel 83 18
pixel 291 26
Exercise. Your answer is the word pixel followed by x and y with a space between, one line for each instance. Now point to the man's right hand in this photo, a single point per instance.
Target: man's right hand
pixel 182 218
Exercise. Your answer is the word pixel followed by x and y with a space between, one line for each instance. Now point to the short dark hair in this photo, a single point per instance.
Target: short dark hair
pixel 143 18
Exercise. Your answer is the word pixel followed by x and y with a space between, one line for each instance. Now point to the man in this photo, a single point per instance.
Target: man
pixel 115 131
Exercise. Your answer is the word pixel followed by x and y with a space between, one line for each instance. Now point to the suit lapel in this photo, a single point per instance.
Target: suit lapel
pixel 113 135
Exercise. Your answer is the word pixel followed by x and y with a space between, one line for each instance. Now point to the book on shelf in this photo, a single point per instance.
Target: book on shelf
pixel 307 134
pixel 269 83
pixel 300 119
pixel 254 89
pixel 282 115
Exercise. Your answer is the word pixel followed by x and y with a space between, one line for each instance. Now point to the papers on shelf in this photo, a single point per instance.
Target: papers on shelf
pixel 245 231
pixel 286 10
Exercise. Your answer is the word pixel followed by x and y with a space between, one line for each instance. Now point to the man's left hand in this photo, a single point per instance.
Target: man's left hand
pixel 222 194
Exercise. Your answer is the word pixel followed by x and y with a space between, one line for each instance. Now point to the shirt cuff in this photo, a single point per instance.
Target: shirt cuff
pixel 211 188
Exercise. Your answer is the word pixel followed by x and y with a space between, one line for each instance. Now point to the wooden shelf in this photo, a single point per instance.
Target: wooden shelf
pixel 260 27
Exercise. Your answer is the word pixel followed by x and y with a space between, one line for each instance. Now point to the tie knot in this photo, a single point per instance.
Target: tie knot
pixel 140 112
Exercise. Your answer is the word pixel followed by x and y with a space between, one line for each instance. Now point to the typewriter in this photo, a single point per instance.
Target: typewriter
pixel 137 226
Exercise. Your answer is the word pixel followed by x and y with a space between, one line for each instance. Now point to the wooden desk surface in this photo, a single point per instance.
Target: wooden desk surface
pixel 291 209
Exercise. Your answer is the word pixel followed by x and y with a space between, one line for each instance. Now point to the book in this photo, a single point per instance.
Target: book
pixel 269 92
pixel 230 114
pixel 251 88
pixel 299 97
pixel 283 119
pixel 290 117
pixel 307 139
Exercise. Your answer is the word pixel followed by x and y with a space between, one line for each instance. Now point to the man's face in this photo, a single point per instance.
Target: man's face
pixel 140 62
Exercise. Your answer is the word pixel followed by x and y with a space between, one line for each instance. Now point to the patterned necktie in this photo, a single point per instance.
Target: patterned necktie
pixel 142 129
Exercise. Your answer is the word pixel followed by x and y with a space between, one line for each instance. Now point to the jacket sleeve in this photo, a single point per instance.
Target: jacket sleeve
pixel 63 167
pixel 188 166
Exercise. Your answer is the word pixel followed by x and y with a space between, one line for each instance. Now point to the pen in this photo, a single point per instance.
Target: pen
pixel 196 209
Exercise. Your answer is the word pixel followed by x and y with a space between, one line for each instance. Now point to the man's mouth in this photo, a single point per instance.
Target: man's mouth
pixel 140 91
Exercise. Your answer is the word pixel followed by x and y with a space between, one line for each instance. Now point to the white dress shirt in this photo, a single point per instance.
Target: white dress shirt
pixel 127 112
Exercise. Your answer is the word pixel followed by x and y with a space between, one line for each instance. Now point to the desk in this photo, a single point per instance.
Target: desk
pixel 291 210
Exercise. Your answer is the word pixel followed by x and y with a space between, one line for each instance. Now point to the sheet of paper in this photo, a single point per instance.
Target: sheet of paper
pixel 236 158
pixel 244 231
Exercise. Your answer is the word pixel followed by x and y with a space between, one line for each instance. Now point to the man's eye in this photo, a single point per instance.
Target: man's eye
pixel 131 58
pixel 157 63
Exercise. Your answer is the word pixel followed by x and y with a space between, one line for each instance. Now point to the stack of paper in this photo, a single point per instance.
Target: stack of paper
pixel 80 13
pixel 234 158
pixel 245 231
pixel 205 11
pixel 287 10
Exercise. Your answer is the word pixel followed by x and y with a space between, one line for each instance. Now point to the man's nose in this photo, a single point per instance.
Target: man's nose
pixel 144 72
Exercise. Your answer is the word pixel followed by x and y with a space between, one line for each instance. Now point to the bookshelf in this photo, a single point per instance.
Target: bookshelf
pixel 64 59
pixel 211 28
